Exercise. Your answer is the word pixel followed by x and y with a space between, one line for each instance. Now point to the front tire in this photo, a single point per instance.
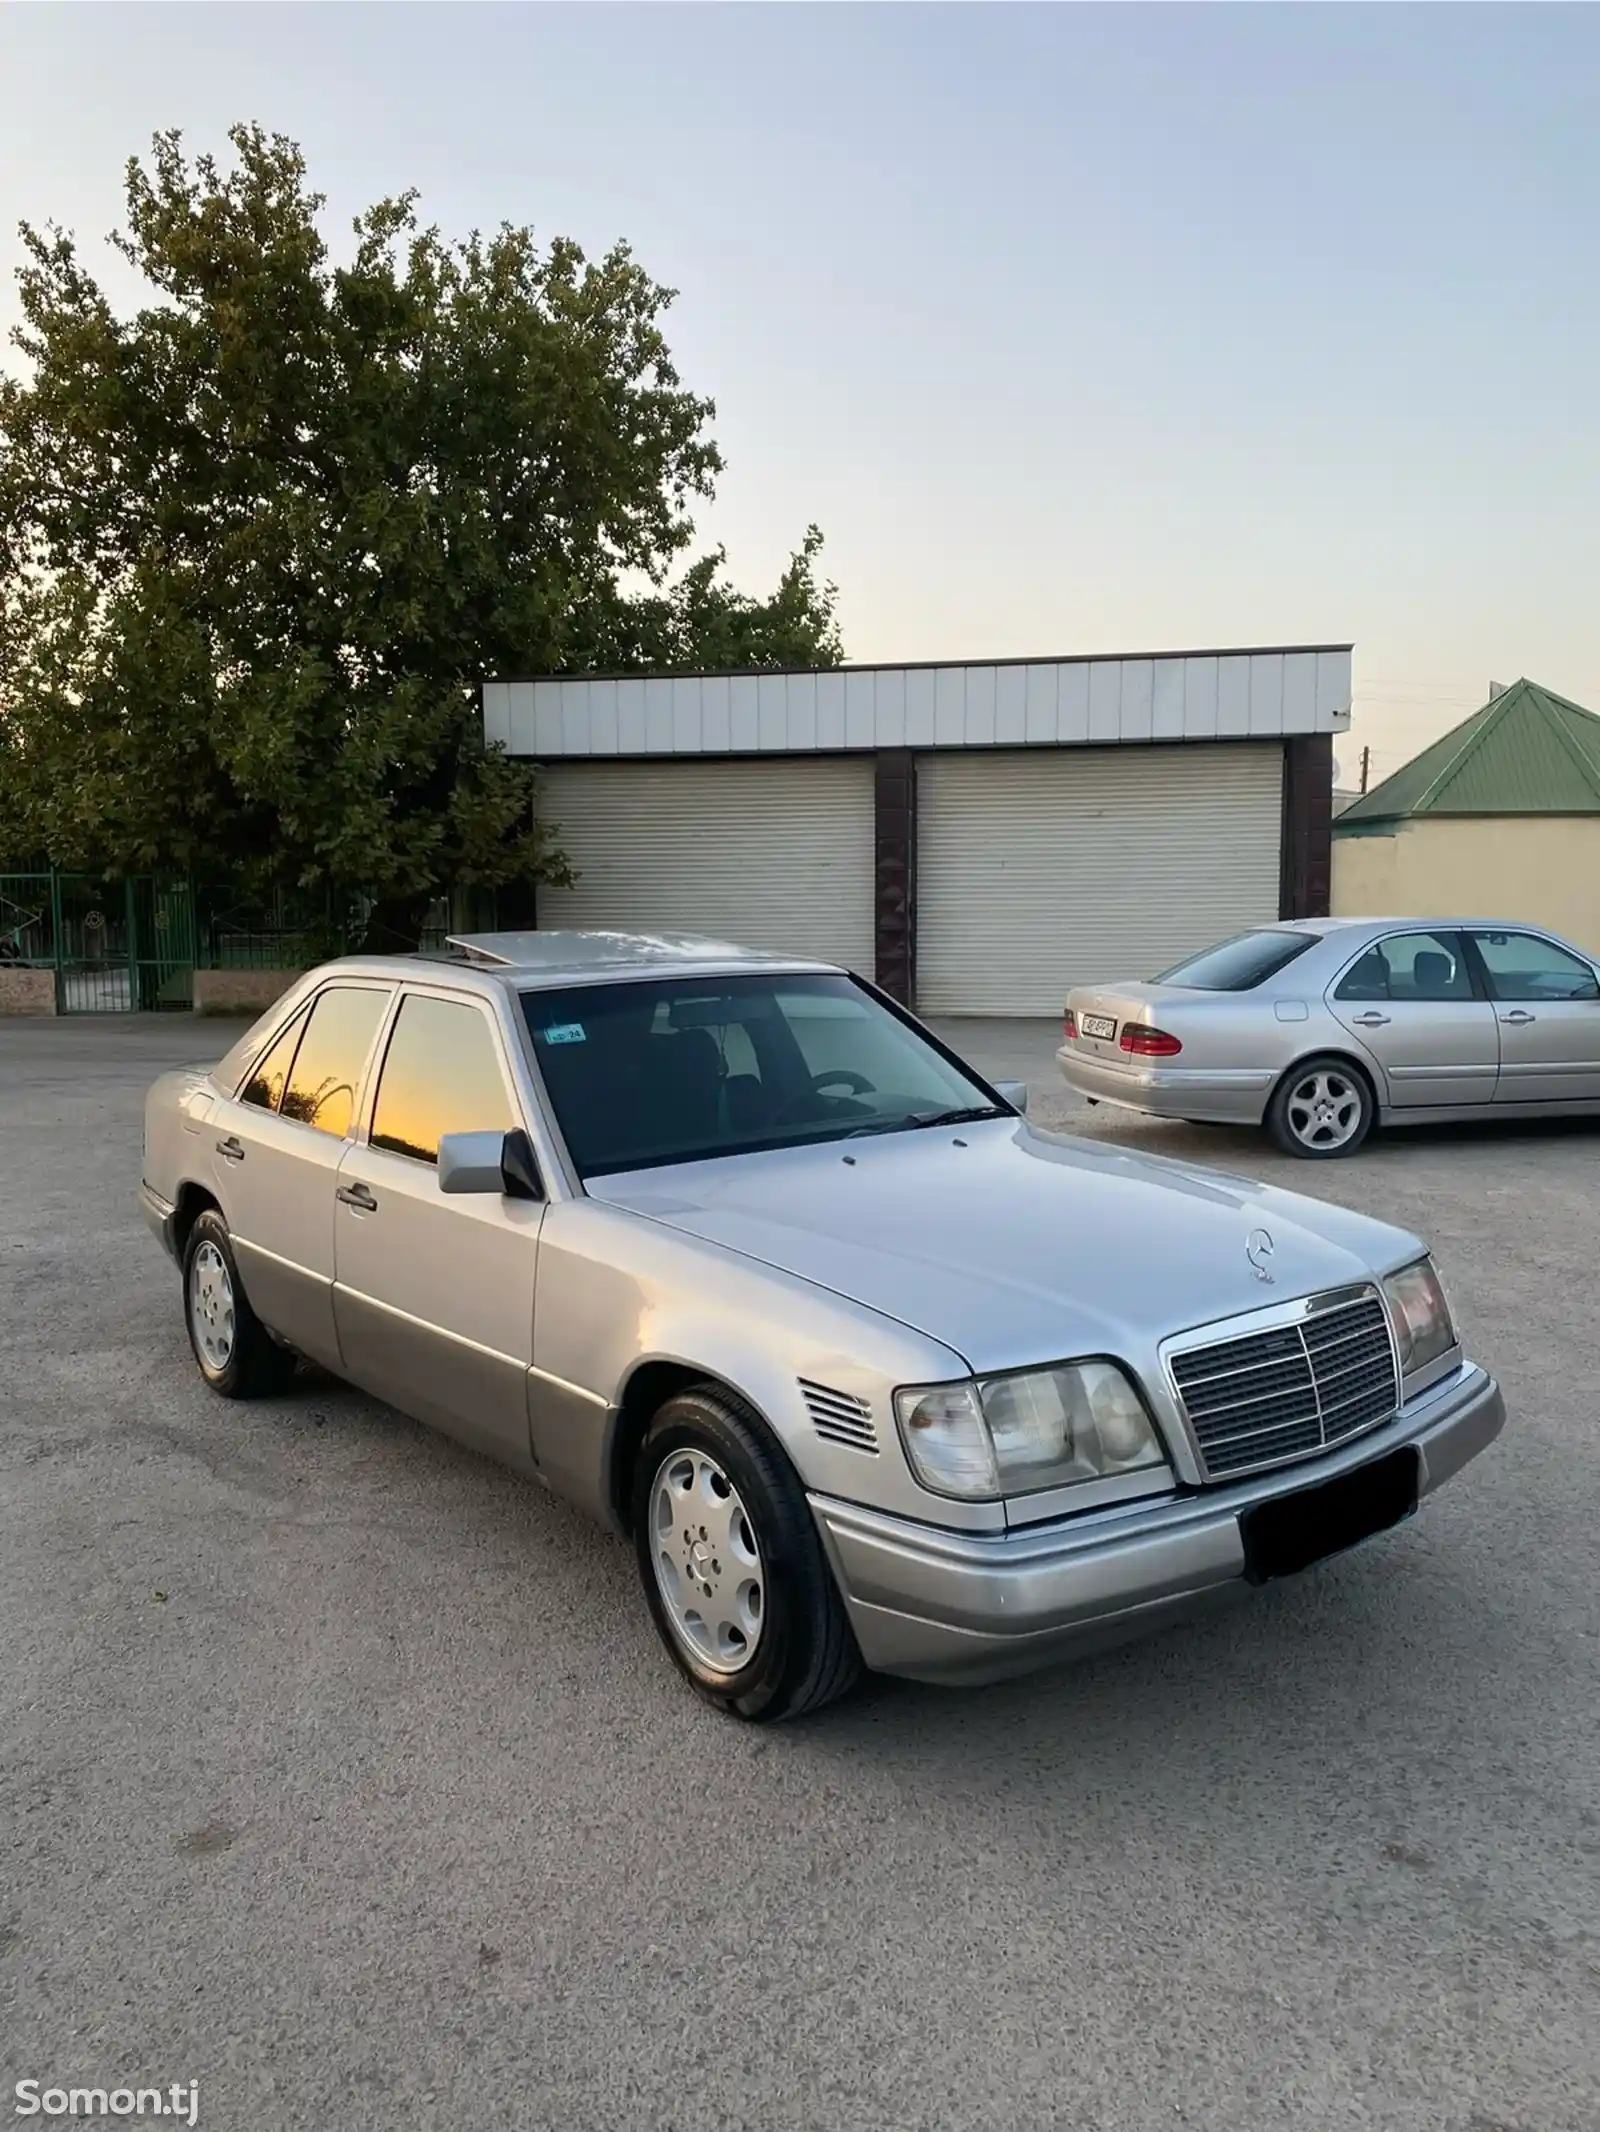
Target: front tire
pixel 732 1568
pixel 235 1353
pixel 1322 1108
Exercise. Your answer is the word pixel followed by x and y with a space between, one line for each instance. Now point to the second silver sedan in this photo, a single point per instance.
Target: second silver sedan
pixel 1322 1028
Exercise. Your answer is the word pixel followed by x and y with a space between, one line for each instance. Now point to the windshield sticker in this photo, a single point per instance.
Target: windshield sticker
pixel 564 1033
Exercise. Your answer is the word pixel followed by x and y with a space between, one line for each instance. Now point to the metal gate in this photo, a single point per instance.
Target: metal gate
pixel 161 939
pixel 116 947
pixel 93 946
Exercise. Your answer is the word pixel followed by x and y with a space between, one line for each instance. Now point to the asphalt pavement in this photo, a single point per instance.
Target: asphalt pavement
pixel 343 1774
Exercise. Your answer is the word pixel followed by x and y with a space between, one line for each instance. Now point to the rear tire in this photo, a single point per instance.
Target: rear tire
pixel 1323 1108
pixel 233 1350
pixel 732 1567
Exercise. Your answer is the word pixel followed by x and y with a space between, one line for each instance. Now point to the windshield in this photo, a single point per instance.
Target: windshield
pixel 1240 964
pixel 677 1069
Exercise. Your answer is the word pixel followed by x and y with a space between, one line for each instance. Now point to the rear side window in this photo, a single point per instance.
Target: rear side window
pixel 263 1086
pixel 326 1075
pixel 441 1074
pixel 1425 966
pixel 1240 964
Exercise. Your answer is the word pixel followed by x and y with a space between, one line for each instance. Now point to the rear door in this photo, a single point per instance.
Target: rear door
pixel 434 1298
pixel 277 1146
pixel 1414 1001
pixel 1547 999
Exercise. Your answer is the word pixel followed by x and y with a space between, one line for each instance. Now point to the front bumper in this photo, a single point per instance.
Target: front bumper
pixel 159 1215
pixel 1221 1096
pixel 953 1606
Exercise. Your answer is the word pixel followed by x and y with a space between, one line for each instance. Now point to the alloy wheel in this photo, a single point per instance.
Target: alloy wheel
pixel 1325 1110
pixel 707 1561
pixel 211 1306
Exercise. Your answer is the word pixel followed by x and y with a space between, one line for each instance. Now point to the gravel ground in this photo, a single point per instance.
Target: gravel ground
pixel 343 1776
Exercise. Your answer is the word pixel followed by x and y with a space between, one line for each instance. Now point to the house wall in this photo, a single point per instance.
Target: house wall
pixel 1542 868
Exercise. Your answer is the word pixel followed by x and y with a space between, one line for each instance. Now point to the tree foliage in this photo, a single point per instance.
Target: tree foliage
pixel 259 540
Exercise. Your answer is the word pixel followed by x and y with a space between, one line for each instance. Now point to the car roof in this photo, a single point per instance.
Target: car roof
pixel 606 950
pixel 524 959
pixel 1322 926
pixel 1421 922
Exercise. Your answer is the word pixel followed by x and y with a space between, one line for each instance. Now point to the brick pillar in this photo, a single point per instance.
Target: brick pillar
pixel 1306 869
pixel 894 790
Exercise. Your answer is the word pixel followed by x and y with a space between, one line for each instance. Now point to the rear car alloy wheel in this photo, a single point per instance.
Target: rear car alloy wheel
pixel 238 1357
pixel 211 1312
pixel 1322 1108
pixel 732 1567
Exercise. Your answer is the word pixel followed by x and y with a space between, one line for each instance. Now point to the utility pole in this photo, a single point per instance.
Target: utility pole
pixel 1366 764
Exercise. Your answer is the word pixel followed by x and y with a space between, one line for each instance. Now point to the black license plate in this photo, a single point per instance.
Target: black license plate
pixel 1288 1535
pixel 1101 1025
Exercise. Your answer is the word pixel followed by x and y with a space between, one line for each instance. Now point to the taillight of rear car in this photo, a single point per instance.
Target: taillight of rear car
pixel 1148 1043
pixel 1069 1025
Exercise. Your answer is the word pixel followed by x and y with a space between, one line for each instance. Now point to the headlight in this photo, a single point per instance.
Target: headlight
pixel 1078 1421
pixel 1420 1315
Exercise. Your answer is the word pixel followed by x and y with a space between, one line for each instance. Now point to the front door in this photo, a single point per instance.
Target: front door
pixel 1548 1002
pixel 1412 1000
pixel 434 1296
pixel 276 1149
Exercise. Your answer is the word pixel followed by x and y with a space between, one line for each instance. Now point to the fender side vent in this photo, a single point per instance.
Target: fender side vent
pixel 838 1418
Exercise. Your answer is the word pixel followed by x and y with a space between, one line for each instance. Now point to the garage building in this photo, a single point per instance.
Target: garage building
pixel 978 838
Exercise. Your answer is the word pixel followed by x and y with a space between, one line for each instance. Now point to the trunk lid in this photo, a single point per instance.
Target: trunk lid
pixel 1114 1005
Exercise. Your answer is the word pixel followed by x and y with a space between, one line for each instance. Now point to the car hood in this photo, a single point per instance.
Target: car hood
pixel 1011 1245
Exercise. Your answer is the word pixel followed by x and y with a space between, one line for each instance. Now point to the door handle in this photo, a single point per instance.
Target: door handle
pixel 1517 1018
pixel 1370 1021
pixel 357 1196
pixel 231 1149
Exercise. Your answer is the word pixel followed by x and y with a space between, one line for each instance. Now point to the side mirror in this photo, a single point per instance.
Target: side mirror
pixel 502 1163
pixel 1015 1093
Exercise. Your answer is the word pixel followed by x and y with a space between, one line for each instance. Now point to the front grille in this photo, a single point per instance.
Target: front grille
pixel 1295 1389
pixel 840 1417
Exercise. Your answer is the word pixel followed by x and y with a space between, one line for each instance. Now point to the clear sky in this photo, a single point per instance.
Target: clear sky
pixel 1076 329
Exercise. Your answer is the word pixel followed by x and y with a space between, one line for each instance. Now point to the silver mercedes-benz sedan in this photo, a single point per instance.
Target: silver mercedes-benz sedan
pixel 735 1255
pixel 1322 1028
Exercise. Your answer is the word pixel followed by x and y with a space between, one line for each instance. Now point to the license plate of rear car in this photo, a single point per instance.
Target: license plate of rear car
pixel 1286 1536
pixel 1097 1025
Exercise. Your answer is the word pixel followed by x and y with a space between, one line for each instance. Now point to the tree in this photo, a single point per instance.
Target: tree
pixel 260 540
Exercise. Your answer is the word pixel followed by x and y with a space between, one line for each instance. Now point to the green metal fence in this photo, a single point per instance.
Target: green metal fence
pixel 285 929
pixel 133 945
pixel 274 929
pixel 27 933
pixel 161 940
pixel 114 946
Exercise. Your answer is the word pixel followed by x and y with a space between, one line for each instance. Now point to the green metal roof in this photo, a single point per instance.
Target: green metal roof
pixel 1527 751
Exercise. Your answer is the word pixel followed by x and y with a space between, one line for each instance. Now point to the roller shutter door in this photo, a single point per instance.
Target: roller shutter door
pixel 774 854
pixel 1042 869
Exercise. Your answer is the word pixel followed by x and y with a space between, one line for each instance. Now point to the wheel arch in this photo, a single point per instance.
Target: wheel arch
pixel 191 1202
pixel 649 1385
